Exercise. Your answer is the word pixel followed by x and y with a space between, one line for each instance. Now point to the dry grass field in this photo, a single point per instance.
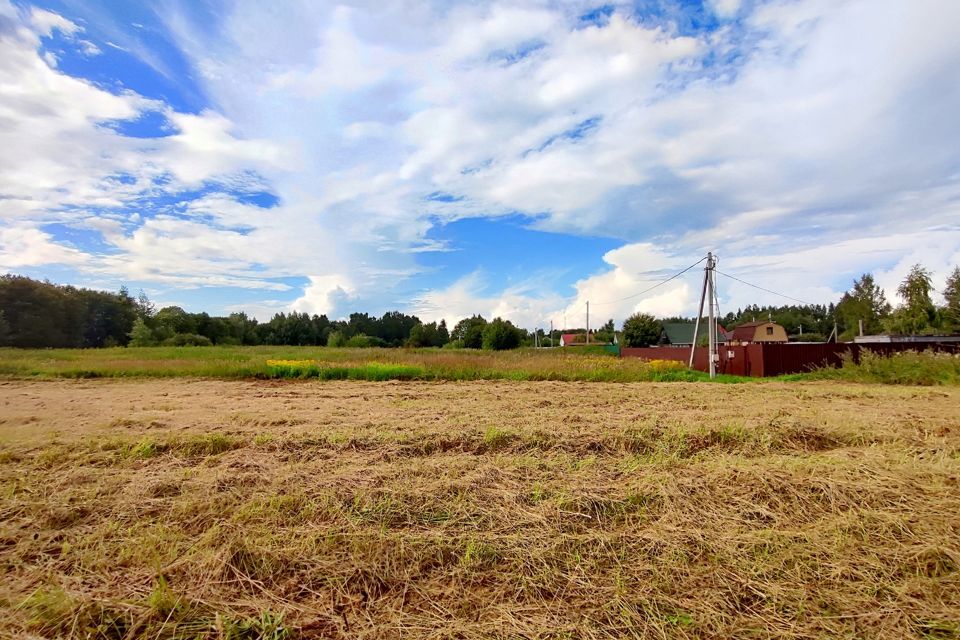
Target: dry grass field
pixel 192 508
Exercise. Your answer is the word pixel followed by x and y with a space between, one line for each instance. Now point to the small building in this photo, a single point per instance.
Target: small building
pixel 758 332
pixel 680 334
pixel 569 339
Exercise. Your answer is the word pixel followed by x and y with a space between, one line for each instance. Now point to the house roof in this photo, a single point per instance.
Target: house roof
pixel 682 332
pixel 747 331
pixel 570 338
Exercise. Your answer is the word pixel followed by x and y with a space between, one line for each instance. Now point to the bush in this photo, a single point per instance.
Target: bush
pixel 336 339
pixel 500 335
pixel 363 341
pixel 641 330
pixel 187 340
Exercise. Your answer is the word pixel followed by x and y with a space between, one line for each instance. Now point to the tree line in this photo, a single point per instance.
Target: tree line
pixel 43 314
pixel 35 314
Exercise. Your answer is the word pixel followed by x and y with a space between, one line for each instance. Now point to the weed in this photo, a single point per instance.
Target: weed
pixel 495 438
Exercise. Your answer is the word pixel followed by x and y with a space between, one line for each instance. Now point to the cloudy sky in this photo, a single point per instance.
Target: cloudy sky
pixel 503 158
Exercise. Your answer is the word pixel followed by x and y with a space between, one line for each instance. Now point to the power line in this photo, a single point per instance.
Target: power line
pixel 776 293
pixel 660 283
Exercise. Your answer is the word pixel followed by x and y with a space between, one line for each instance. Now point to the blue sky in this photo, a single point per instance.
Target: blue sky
pixel 504 158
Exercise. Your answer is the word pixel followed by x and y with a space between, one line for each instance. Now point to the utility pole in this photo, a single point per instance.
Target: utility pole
pixel 712 344
pixel 551 334
pixel 696 326
pixel 860 322
pixel 588 322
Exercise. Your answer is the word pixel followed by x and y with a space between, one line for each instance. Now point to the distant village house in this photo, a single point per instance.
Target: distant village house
pixel 758 332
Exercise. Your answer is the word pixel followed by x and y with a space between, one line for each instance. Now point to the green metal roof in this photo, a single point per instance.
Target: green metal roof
pixel 682 332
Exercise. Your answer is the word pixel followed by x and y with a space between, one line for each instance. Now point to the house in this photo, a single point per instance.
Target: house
pixel 680 334
pixel 568 339
pixel 758 332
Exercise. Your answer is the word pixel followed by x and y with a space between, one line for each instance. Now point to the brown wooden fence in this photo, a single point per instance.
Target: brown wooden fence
pixel 760 360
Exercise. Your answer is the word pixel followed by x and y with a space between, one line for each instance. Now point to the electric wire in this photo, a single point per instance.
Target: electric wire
pixel 649 289
pixel 755 286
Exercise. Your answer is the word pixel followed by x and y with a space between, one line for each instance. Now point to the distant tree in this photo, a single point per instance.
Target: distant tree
pixel 241 329
pixel 4 330
pixel 141 335
pixel 951 295
pixel 469 332
pixel 145 308
pixel 175 320
pixel 500 335
pixel 917 314
pixel 394 327
pixel 360 323
pixel 865 301
pixel 418 336
pixel 428 335
pixel 641 330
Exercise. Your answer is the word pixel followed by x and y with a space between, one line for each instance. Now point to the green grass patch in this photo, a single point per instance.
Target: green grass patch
pixel 323 363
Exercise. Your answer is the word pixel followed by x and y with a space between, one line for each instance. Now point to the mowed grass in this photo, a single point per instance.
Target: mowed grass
pixel 261 509
pixel 339 364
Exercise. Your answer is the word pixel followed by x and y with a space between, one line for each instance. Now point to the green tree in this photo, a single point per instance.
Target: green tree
pixel 141 335
pixel 145 308
pixel 469 332
pixel 951 294
pixel 865 301
pixel 917 314
pixel 500 335
pixel 641 330
pixel 428 335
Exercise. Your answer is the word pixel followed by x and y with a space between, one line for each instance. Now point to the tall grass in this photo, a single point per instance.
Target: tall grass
pixel 907 368
pixel 339 364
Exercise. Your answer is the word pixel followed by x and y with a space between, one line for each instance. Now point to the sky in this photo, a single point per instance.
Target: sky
pixel 512 159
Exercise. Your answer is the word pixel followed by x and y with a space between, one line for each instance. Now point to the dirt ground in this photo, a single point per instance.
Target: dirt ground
pixel 201 508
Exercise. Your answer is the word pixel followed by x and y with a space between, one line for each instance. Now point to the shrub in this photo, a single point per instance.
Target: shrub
pixel 363 341
pixel 187 340
pixel 336 339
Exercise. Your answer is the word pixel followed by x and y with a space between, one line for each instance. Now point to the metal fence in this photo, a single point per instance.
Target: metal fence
pixel 764 360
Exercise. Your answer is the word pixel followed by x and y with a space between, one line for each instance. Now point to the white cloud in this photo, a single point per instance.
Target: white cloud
pixel 323 294
pixel 46 22
pixel 725 8
pixel 22 246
